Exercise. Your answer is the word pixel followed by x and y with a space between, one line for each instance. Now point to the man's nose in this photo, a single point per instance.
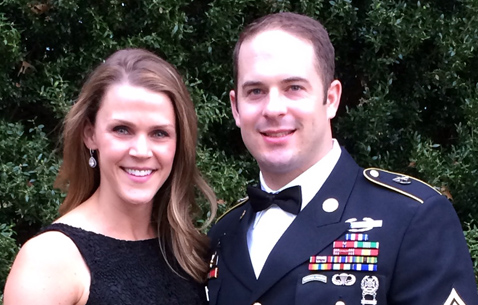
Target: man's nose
pixel 275 104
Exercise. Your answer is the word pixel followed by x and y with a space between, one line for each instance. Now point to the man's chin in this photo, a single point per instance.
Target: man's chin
pixel 275 165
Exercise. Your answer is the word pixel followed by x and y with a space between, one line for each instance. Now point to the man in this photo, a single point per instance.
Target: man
pixel 334 233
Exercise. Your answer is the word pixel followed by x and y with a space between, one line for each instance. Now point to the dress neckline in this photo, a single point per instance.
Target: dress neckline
pixel 61 224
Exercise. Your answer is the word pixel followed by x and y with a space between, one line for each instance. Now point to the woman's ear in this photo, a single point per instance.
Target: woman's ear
pixel 89 137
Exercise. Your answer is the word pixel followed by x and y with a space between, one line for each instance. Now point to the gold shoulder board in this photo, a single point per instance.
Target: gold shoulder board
pixel 400 183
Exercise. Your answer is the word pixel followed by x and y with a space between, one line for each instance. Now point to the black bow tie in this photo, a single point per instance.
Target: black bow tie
pixel 288 200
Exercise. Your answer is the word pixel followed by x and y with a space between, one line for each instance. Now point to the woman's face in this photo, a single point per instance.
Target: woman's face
pixel 135 138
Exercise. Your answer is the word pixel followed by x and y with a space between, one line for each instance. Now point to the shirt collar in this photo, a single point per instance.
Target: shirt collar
pixel 318 173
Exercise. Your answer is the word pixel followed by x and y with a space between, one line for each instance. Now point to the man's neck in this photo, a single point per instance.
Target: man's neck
pixel 277 181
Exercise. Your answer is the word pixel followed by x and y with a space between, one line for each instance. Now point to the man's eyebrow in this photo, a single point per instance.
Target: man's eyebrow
pixel 294 80
pixel 288 80
pixel 251 84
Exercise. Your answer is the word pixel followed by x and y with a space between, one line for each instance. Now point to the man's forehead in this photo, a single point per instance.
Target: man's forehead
pixel 274 45
pixel 274 53
pixel 275 36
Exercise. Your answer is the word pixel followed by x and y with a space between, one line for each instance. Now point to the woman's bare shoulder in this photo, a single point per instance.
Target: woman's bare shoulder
pixel 48 269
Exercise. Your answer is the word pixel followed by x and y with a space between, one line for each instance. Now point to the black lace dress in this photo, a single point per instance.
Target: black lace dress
pixel 130 272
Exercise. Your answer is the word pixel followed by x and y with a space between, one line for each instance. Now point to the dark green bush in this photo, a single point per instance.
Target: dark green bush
pixel 27 173
pixel 409 70
pixel 8 249
pixel 471 234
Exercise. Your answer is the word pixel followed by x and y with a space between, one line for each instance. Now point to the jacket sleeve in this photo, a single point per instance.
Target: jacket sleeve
pixel 434 264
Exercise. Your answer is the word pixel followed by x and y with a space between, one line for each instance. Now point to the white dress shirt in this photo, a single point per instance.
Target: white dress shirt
pixel 269 224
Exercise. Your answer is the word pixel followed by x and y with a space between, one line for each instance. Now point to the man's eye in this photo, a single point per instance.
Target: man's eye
pixel 255 91
pixel 295 88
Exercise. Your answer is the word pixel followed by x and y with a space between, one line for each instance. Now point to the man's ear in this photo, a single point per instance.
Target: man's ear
pixel 89 137
pixel 333 98
pixel 234 108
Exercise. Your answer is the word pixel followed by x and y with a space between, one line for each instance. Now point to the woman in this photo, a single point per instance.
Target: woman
pixel 126 234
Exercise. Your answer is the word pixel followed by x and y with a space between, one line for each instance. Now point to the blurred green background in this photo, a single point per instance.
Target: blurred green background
pixel 409 71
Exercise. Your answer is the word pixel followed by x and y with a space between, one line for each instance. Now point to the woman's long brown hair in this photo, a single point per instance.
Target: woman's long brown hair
pixel 174 206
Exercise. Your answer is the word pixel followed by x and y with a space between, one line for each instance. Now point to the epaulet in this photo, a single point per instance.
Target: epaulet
pixel 400 183
pixel 239 203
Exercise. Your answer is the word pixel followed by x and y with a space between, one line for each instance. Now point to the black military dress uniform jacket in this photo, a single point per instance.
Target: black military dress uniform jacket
pixel 422 255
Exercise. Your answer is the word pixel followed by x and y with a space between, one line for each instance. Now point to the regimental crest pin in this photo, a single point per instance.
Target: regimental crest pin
pixel 369 287
pixel 213 270
pixel 402 180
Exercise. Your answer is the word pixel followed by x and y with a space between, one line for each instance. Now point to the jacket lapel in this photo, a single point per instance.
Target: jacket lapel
pixel 313 229
pixel 235 251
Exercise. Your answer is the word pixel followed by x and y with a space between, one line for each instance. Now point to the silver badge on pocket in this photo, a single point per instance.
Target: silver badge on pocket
pixel 343 279
pixel 314 278
pixel 369 287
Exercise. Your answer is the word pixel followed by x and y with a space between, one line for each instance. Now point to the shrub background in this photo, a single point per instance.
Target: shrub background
pixel 410 98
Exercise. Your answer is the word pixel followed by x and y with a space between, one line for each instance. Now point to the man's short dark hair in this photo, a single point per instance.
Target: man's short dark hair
pixel 301 26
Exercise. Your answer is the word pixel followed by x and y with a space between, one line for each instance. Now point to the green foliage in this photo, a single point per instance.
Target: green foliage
pixel 471 235
pixel 409 71
pixel 27 200
pixel 8 248
pixel 27 172
pixel 416 66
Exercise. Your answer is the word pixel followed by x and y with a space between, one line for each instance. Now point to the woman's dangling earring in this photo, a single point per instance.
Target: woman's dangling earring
pixel 92 161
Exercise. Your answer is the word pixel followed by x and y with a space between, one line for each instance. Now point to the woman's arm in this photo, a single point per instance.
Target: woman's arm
pixel 48 269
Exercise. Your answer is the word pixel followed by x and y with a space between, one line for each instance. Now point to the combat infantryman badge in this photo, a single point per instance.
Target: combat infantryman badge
pixel 369 287
pixel 366 225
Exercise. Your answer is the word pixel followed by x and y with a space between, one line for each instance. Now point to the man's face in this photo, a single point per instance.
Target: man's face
pixel 280 105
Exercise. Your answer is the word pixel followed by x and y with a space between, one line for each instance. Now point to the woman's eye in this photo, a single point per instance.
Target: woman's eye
pixel 121 130
pixel 160 134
